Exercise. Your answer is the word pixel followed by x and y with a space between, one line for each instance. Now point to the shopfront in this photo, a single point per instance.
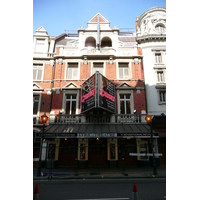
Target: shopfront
pixel 88 145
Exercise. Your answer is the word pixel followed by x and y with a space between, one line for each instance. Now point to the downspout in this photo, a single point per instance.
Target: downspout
pixel 144 86
pixel 52 85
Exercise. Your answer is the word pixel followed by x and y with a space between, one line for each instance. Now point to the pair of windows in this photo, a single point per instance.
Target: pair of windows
pixel 72 70
pixel 71 102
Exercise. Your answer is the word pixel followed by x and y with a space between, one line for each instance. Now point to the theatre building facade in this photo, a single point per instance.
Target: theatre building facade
pixel 91 87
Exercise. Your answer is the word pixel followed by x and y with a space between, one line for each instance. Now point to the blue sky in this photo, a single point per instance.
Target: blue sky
pixel 57 16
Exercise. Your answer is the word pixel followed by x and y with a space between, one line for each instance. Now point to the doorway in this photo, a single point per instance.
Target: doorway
pixel 97 152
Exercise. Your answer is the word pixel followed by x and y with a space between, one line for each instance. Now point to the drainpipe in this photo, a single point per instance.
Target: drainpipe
pixel 52 85
pixel 144 87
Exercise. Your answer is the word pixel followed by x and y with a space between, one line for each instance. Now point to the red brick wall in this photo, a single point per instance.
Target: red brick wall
pixel 85 70
pixel 111 70
pixel 139 101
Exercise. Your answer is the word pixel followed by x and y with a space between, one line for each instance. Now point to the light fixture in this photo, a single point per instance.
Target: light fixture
pixel 98 139
pixel 148 118
pixel 44 118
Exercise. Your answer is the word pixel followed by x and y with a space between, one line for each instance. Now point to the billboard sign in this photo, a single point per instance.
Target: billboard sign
pixel 98 92
pixel 88 94
pixel 106 94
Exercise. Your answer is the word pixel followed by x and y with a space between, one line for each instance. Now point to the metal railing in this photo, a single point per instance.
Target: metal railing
pixel 96 118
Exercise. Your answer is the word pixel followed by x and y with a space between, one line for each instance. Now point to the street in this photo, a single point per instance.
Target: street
pixel 148 189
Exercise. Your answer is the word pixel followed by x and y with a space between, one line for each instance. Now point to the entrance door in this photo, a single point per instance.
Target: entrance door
pixel 97 152
pixel 68 152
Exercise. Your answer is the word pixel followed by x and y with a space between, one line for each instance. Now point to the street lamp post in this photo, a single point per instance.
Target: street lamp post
pixel 149 120
pixel 44 120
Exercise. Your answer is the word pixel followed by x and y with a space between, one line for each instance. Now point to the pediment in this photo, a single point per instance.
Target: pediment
pixel 124 85
pixel 41 31
pixel 36 87
pixel 70 85
pixel 102 19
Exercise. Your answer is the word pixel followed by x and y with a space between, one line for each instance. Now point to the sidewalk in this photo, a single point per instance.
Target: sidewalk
pixel 102 173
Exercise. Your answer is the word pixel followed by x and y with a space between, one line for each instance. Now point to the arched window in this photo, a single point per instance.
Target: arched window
pixel 106 42
pixel 90 42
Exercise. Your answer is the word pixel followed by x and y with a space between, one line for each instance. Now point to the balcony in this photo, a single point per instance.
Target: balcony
pixel 113 118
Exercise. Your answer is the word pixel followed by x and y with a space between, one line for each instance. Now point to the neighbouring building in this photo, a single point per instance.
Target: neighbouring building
pixel 151 38
pixel 91 86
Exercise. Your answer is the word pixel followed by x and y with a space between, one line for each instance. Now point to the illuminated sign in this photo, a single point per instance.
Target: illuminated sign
pixel 98 92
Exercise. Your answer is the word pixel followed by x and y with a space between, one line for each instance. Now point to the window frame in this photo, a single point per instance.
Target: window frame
pixel 93 66
pixel 39 104
pixel 37 45
pixel 70 92
pixel 38 66
pixel 157 71
pixel 159 92
pixel 119 67
pixel 119 92
pixel 67 68
pixel 162 58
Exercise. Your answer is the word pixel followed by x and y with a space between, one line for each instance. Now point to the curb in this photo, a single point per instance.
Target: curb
pixel 101 176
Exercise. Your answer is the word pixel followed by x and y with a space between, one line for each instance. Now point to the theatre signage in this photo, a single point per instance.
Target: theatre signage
pixel 91 135
pixel 98 92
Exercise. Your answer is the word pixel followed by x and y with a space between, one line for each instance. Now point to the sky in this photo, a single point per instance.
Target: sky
pixel 60 15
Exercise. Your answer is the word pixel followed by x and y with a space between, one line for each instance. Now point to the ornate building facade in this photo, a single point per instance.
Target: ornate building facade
pixel 91 86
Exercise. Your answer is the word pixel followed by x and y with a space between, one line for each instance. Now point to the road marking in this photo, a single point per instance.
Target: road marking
pixel 101 199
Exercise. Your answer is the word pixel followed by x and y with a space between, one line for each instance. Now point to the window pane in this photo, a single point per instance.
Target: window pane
pixel 73 96
pixel 69 73
pixel 121 73
pixel 73 107
pixel 126 72
pixel 75 73
pixel 34 74
pixel 67 107
pixel 122 108
pixel 39 75
pixel 128 108
pixel 35 108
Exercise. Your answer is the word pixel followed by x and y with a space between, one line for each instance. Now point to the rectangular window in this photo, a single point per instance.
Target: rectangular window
pixel 35 104
pixel 123 71
pixel 37 72
pixel 71 104
pixel 160 77
pixel 40 45
pixel 162 96
pixel 125 104
pixel 97 67
pixel 72 71
pixel 158 58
